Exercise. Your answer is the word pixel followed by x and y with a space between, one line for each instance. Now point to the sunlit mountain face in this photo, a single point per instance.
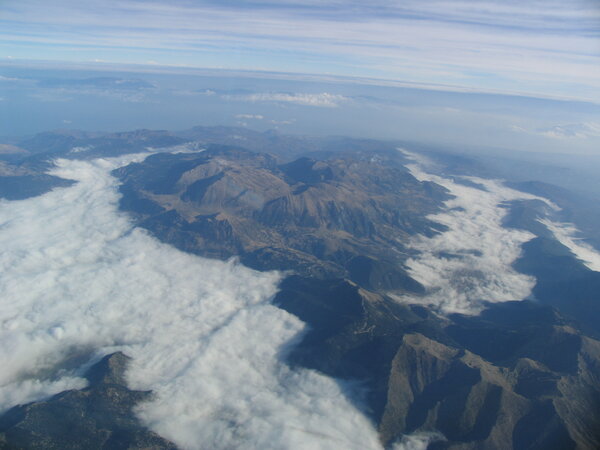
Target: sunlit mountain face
pixel 299 225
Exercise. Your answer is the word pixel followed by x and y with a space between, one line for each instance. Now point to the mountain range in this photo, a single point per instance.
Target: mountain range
pixel 336 216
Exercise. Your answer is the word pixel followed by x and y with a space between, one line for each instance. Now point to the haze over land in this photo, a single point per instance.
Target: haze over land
pixel 466 75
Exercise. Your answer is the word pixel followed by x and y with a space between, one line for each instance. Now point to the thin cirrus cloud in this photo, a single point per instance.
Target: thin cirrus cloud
pixel 203 334
pixel 540 47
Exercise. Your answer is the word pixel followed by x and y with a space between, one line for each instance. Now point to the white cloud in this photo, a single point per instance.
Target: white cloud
pixel 566 234
pixel 283 122
pixel 321 100
pixel 80 149
pixel 249 116
pixel 417 441
pixel 471 262
pixel 546 48
pixel 77 278
pixel 573 130
pixel 583 130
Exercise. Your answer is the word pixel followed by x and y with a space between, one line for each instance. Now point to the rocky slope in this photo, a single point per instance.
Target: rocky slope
pixel 97 417
pixel 518 376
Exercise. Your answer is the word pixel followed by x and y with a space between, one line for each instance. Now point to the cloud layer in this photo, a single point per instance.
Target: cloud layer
pixel 471 262
pixel 78 280
pixel 566 234
pixel 544 46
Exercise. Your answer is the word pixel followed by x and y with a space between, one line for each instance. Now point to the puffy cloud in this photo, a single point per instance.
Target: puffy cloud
pixel 78 281
pixel 470 263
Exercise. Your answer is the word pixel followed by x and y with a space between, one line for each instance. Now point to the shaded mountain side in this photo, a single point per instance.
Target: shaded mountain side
pixel 518 376
pixel 562 280
pixel 20 187
pixel 19 180
pixel 97 417
pixel 581 209
pixel 346 217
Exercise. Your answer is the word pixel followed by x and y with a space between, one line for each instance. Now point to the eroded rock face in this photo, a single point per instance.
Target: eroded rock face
pixel 472 402
pixel 97 417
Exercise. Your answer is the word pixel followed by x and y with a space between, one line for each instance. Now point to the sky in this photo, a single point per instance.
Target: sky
pixel 544 47
pixel 520 75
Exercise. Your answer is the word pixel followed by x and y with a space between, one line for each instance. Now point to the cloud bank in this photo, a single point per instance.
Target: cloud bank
pixel 471 262
pixel 566 234
pixel 78 280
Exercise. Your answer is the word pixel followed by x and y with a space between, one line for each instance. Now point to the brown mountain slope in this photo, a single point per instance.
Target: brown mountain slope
pixel 345 217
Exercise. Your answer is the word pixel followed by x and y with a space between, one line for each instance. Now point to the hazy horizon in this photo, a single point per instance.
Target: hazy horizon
pixel 492 74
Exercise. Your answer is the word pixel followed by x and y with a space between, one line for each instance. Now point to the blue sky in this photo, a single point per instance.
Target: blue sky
pixel 512 75
pixel 543 48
